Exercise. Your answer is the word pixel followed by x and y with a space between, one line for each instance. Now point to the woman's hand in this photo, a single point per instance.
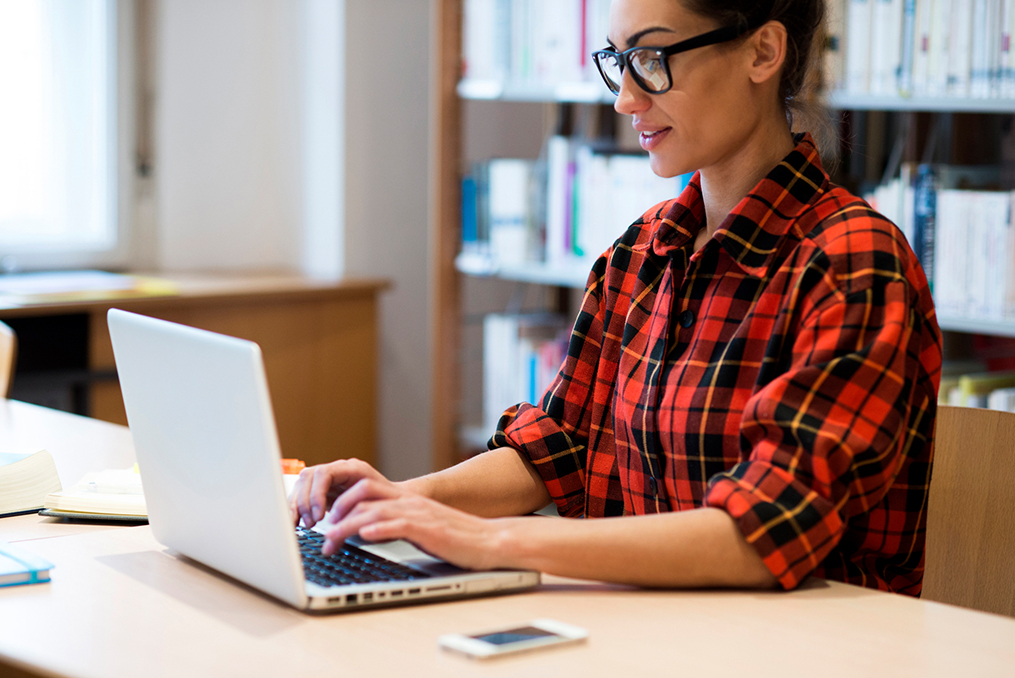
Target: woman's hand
pixel 320 486
pixel 376 513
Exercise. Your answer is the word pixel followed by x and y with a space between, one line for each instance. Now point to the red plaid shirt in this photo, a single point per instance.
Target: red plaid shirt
pixel 786 373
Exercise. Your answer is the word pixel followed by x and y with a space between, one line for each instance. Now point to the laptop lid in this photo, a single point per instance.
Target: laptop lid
pixel 204 433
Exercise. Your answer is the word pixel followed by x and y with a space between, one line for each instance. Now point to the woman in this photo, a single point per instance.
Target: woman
pixel 749 392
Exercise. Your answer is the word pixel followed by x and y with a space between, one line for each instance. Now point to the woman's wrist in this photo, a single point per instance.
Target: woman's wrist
pixel 424 486
pixel 505 541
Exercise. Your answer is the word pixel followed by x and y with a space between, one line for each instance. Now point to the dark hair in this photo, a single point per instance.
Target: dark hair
pixel 803 20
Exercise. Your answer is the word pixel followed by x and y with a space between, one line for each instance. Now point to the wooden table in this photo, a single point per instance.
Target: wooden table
pixel 319 341
pixel 120 604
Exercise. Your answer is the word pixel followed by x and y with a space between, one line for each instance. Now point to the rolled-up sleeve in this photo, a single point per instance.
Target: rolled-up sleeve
pixel 828 436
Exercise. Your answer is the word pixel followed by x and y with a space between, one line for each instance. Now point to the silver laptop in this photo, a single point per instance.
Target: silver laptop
pixel 204 434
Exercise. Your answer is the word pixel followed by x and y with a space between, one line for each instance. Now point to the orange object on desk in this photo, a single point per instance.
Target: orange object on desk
pixel 292 466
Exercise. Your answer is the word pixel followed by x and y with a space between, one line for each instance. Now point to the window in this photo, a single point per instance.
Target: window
pixel 59 181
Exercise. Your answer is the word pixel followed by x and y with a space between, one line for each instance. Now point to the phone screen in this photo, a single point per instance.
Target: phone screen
pixel 518 635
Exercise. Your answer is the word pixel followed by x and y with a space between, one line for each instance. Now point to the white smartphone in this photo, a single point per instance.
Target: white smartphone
pixel 497 642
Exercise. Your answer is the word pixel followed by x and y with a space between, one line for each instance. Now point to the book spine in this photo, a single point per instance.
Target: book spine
pixel 924 212
pixel 858 46
pixel 905 74
pixel 470 230
pixel 960 49
pixel 835 45
pixel 937 53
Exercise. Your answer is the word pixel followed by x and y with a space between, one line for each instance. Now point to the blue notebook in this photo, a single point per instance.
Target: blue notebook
pixel 18 566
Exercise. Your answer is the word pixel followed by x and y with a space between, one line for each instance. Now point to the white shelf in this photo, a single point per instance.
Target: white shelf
pixel 589 92
pixel 594 91
pixel 890 102
pixel 1000 328
pixel 570 275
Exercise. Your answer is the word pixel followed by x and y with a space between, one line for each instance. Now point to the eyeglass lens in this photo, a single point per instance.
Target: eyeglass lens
pixel 647 64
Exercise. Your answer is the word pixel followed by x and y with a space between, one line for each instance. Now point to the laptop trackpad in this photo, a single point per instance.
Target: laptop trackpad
pixel 405 553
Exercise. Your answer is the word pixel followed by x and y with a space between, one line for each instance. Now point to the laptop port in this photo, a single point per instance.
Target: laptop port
pixel 396 594
pixel 439 588
pixel 413 592
pixel 350 599
pixel 367 597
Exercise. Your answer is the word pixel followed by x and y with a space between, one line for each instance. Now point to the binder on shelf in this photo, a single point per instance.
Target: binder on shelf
pixel 509 209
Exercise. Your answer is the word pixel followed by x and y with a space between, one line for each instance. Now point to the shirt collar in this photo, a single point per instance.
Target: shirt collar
pixel 751 233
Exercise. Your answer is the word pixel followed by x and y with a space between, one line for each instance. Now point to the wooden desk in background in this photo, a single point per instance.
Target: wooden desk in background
pixel 319 341
pixel 122 605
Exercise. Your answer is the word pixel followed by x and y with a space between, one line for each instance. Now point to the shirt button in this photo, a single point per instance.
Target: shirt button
pixel 686 319
pixel 652 486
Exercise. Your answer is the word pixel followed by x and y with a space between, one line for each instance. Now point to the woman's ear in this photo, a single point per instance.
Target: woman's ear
pixel 768 50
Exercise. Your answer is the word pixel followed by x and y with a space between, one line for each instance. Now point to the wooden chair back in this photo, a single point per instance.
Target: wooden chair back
pixel 8 358
pixel 971 515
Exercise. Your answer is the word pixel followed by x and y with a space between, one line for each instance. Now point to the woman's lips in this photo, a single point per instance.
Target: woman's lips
pixel 650 140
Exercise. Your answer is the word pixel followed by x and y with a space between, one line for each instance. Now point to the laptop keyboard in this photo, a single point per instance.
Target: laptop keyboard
pixel 349 565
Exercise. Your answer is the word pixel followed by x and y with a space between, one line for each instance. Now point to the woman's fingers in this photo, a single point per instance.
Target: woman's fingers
pixel 318 486
pixel 364 490
pixel 322 492
pixel 301 494
pixel 364 513
pixel 445 532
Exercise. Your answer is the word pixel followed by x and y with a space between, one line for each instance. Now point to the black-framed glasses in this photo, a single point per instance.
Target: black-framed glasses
pixel 650 66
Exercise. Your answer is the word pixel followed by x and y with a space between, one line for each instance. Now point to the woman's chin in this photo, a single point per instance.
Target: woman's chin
pixel 666 167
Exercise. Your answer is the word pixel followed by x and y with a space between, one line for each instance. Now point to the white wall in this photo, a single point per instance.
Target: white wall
pixel 227 130
pixel 387 144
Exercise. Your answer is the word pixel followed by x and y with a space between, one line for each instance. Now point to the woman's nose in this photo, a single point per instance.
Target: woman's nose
pixel 631 99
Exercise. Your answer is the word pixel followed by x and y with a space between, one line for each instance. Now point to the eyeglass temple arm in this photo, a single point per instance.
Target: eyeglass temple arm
pixel 711 38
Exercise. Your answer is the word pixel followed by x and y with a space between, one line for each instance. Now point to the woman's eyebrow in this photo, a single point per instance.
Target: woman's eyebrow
pixel 633 40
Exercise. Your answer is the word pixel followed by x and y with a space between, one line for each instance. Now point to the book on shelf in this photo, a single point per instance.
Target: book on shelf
pixel 25 480
pixel 563 212
pixel 522 354
pixel 952 48
pixel 542 43
pixel 963 238
pixel 992 390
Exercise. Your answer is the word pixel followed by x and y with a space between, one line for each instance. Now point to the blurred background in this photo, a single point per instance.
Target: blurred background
pixel 462 161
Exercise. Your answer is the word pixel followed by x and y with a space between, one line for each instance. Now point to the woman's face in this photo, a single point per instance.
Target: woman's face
pixel 709 112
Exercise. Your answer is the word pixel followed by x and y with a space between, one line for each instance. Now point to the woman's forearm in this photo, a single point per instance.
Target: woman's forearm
pixel 696 548
pixel 493 484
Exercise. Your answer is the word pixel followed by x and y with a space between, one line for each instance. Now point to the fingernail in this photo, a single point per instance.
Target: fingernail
pixel 317 513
